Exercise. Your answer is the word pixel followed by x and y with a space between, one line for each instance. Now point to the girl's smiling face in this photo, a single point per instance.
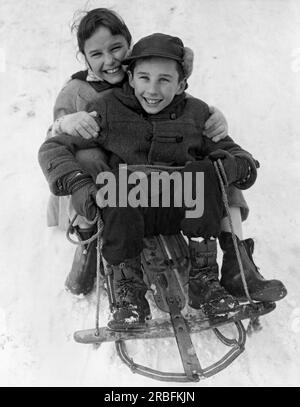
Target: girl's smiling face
pixel 104 54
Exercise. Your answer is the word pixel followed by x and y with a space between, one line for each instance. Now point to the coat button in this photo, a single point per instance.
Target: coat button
pixel 59 185
pixel 179 139
pixel 173 116
pixel 148 137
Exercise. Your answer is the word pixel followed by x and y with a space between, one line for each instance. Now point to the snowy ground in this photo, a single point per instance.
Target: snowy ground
pixel 247 64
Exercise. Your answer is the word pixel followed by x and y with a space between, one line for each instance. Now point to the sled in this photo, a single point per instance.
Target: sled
pixel 166 265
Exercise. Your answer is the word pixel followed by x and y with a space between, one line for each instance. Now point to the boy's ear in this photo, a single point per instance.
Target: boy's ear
pixel 130 78
pixel 181 86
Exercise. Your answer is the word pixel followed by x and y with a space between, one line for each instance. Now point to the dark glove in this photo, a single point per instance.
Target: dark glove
pixel 84 200
pixel 83 190
pixel 207 225
pixel 236 168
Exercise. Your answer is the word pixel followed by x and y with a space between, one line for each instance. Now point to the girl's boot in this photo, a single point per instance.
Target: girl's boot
pixel 83 272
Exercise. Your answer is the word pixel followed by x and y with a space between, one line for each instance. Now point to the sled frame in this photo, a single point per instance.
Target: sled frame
pixel 169 282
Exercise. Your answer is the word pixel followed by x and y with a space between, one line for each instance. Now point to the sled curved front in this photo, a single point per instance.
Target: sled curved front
pixel 162 328
pixel 237 345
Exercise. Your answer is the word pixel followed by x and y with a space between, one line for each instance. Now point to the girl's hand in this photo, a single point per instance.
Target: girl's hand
pixel 80 124
pixel 216 127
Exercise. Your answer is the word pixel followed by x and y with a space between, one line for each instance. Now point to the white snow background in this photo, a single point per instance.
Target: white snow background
pixel 247 63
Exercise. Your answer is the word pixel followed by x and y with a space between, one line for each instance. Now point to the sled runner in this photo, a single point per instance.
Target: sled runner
pixel 166 265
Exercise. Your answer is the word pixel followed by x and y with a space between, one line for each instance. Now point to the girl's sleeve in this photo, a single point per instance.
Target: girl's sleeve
pixel 66 100
pixel 66 103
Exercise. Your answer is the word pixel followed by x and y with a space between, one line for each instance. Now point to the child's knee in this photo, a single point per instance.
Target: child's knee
pixel 93 160
pixel 91 155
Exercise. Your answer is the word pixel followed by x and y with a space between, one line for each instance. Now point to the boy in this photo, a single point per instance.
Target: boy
pixel 151 121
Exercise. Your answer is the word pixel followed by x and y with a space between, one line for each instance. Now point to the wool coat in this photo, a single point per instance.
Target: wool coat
pixel 77 94
pixel 171 137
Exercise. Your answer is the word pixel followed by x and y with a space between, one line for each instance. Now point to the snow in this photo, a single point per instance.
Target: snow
pixel 247 64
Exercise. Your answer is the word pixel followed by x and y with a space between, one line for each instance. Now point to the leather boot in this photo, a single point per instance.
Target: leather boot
pixel 130 308
pixel 205 291
pixel 259 288
pixel 84 268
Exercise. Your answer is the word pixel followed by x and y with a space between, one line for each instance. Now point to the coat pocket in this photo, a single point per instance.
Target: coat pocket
pixel 166 148
pixel 177 138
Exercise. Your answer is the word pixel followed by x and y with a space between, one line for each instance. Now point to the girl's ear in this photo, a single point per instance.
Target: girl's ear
pixel 181 86
pixel 130 79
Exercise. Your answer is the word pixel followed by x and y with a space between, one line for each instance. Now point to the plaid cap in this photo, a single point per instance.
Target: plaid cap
pixel 157 45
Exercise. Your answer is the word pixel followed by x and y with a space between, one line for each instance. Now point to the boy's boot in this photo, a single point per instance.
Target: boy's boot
pixel 84 268
pixel 205 291
pixel 259 288
pixel 130 308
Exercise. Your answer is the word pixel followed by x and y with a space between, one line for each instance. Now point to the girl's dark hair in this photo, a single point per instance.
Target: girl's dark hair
pixel 100 17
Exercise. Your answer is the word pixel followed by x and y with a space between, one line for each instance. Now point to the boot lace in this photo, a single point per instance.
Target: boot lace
pixel 207 277
pixel 128 289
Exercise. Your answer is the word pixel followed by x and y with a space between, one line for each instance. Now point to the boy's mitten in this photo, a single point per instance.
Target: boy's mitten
pixel 83 190
pixel 236 167
pixel 84 201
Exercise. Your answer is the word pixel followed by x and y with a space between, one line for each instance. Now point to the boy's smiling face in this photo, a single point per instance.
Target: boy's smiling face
pixel 155 82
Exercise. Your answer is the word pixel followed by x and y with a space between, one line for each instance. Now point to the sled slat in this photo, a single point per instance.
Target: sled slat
pixel 162 328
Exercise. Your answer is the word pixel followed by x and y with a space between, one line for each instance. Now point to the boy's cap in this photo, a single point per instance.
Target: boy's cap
pixel 157 45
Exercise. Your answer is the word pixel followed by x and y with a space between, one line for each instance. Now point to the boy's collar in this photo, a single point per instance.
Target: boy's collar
pixel 173 110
